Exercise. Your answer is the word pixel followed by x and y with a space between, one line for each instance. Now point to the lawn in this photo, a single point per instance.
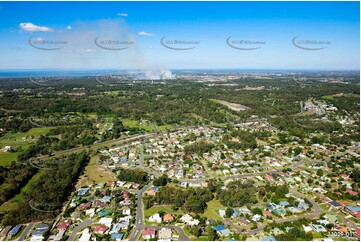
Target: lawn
pixel 7 157
pixel 31 132
pixel 156 209
pixel 212 210
pixel 18 140
pixel 95 173
pixel 130 123
pixel 202 238
pixel 324 207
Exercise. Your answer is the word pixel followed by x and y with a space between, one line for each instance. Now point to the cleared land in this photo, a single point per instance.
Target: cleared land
pixel 234 106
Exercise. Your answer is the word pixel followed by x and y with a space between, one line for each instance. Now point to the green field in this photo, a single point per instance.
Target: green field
pixel 212 209
pixel 202 238
pixel 18 140
pixel 148 127
pixel 31 132
pixel 156 209
pixel 94 173
pixel 7 157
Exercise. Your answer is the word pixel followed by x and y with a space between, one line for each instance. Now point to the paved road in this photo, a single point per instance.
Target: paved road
pixel 115 141
pixel 80 227
pixel 139 226
pixel 206 168
pixel 98 145
pixel 141 163
pixel 26 231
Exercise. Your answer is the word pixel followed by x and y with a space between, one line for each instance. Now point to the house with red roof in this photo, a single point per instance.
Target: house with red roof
pixel 63 225
pixel 148 233
pixel 135 186
pixel 84 206
pixel 101 229
pixel 269 177
pixel 357 232
pixel 168 218
pixel 351 192
pixel 267 213
pixel 345 176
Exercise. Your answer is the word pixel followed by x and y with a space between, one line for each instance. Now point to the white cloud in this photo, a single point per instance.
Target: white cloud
pixel 123 14
pixel 145 33
pixel 84 50
pixel 68 27
pixel 34 28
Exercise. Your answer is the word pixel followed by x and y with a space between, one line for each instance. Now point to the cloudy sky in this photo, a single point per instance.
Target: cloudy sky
pixel 188 35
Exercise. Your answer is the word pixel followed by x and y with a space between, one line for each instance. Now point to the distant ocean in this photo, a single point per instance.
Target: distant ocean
pixel 79 73
pixel 39 73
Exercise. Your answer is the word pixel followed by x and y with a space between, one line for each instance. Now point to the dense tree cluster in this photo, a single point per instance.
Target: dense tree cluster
pixel 199 147
pixel 161 181
pixel 13 177
pixel 132 175
pixel 245 139
pixel 191 200
pixel 237 194
pixel 46 194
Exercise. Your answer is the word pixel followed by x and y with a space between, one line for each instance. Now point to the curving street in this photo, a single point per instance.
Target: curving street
pixel 80 227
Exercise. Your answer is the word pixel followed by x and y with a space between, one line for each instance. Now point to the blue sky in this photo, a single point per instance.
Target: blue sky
pixel 272 25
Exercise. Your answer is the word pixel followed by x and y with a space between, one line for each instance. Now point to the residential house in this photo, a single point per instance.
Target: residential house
pixel 168 218
pixel 85 236
pixel 4 232
pixel 106 221
pixel 318 228
pixel 267 213
pixel 256 218
pixel 302 205
pixel 284 203
pixel 90 212
pixel 101 229
pixel 245 211
pixel 148 234
pixel 155 218
pixel 84 206
pixel 244 221
pixel 63 225
pixel 117 237
pixel 188 219
pixel 269 238
pixel 331 218
pixel 15 230
pixel 165 234
pixel 222 213
pixel 277 231
pixel 353 210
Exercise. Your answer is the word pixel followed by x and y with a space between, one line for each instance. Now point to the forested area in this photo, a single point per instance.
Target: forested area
pixel 190 200
pixel 13 178
pixel 238 194
pixel 132 175
pixel 45 195
pixel 177 101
